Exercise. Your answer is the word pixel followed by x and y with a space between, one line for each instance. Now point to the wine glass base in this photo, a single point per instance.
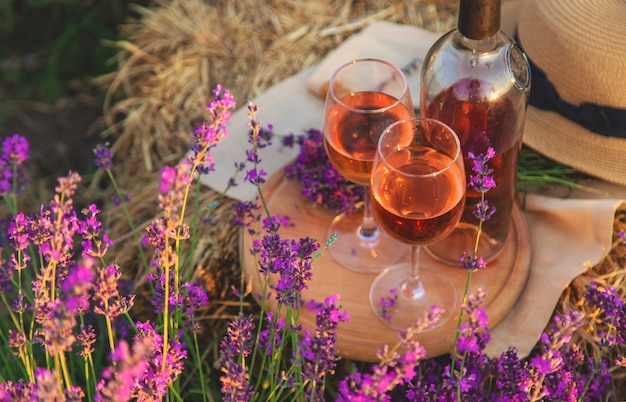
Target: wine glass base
pixel 398 310
pixel 360 254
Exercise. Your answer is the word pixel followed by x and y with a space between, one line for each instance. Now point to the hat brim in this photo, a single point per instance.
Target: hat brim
pixel 562 140
pixel 566 142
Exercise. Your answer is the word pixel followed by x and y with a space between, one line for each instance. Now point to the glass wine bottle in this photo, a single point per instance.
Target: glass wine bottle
pixel 477 80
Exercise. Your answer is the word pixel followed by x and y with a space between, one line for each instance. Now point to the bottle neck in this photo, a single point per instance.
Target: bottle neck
pixel 479 19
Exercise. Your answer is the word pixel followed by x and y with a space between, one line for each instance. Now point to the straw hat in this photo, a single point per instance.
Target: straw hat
pixel 579 48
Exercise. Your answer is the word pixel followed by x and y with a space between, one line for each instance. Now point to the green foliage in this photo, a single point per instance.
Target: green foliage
pixel 50 45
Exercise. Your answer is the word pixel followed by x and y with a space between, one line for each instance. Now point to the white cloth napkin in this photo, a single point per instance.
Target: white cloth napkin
pixel 566 234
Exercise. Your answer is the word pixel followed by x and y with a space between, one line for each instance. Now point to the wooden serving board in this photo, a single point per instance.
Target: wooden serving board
pixel 364 334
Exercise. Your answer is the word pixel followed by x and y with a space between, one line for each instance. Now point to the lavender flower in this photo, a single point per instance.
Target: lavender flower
pixel 19 391
pixel 157 376
pixel 6 178
pixel 318 354
pixel 103 158
pixel 86 338
pixel 191 297
pixel 612 309
pixel 119 381
pixel 291 260
pixel 512 376
pixel 245 215
pixel 55 226
pixel 467 373
pixel 172 187
pixel 56 332
pixel 322 185
pixel 95 242
pixel 209 134
pixel 106 296
pixel 474 334
pixel 15 149
pixel 472 263
pixel 270 337
pixel 234 348
pixel 76 287
pixel 547 379
pixel 482 182
pixel 47 386
pixel 194 298
pixel 394 370
pixel 17 341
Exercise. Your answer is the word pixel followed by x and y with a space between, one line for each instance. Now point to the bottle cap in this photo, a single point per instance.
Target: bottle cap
pixel 479 19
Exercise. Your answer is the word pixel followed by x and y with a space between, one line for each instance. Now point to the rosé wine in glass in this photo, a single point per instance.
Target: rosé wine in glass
pixel 364 97
pixel 418 193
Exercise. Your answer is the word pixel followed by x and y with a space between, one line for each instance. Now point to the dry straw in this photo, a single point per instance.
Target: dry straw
pixel 177 51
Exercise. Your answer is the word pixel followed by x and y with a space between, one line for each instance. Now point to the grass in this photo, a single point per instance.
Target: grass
pixel 51 48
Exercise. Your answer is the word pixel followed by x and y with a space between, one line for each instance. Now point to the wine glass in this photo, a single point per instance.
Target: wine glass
pixel 418 193
pixel 364 97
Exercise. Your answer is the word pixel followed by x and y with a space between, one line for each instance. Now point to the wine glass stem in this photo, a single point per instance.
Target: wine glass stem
pixel 368 230
pixel 413 287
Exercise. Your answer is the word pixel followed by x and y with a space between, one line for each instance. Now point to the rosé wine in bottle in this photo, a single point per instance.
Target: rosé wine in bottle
pixel 477 80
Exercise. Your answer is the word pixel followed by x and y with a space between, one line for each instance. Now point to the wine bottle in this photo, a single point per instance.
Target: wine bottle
pixel 477 80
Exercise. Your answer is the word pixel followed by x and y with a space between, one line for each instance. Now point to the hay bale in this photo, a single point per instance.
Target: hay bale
pixel 177 51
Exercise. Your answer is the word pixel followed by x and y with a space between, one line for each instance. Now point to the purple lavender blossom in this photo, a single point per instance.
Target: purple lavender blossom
pixel 234 348
pixel 547 377
pixel 119 381
pixel 155 236
pixel 322 185
pixel 612 309
pixel 46 386
pixel 194 298
pixel 483 211
pixel 19 233
pixel 86 339
pixel 103 158
pixel 95 243
pixel 394 370
pixel 512 376
pixel 210 133
pixel 472 263
pixel 482 182
pixel 18 341
pixel 270 337
pixel 290 259
pixel 156 377
pixel 256 176
pixel 56 330
pixel 17 391
pixel 246 214
pixel 318 353
pixel 6 178
pixel 15 149
pixel 172 187
pixel 466 373
pixel 76 287
pixel 106 296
